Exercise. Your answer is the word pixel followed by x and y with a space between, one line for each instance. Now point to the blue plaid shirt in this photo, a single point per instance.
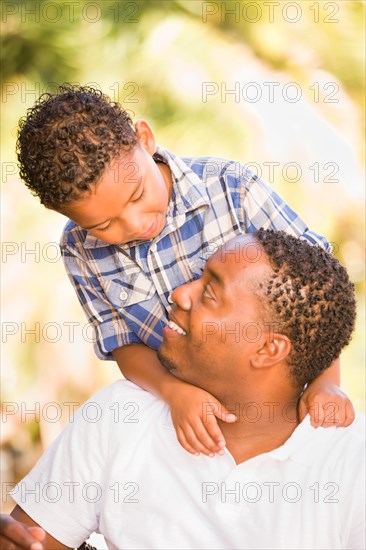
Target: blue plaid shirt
pixel 125 289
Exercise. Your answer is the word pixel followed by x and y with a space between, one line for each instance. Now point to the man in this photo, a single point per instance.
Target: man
pixel 269 313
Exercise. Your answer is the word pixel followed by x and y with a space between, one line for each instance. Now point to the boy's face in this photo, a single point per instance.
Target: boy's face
pixel 130 200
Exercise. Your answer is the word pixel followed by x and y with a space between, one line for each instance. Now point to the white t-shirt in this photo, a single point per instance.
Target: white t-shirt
pixel 118 469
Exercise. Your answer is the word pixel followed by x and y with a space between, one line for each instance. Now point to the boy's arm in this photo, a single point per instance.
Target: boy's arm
pixel 141 365
pixel 325 402
pixel 193 410
pixel 19 531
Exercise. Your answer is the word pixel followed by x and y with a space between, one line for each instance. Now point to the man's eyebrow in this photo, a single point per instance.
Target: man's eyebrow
pixel 107 220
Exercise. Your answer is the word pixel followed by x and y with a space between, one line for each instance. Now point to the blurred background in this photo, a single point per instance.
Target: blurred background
pixel 276 85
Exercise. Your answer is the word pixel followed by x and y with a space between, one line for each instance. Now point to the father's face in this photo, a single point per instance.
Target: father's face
pixel 216 324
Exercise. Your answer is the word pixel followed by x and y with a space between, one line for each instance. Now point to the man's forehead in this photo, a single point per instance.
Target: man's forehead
pixel 241 255
pixel 244 249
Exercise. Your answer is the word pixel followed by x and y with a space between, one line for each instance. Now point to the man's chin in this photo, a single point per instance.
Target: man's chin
pixel 167 363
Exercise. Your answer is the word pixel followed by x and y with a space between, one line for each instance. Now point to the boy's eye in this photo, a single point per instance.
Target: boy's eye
pixel 140 196
pixel 104 228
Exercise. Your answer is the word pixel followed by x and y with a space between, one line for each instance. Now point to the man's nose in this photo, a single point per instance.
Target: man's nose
pixel 183 296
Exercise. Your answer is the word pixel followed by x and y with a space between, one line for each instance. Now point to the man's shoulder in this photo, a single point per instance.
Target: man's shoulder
pixel 126 393
pixel 331 447
pixel 122 387
pixel 355 433
pixel 343 446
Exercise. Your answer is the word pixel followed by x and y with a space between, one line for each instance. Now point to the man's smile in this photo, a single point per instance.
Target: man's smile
pixel 173 328
pixel 177 328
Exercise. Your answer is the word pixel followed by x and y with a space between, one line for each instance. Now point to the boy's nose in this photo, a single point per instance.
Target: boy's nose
pixel 132 226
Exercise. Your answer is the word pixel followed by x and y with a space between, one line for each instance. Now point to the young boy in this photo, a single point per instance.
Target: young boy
pixel 143 222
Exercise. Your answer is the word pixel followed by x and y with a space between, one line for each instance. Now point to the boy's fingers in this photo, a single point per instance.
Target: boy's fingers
pixel 350 414
pixel 343 416
pixel 183 441
pixel 317 415
pixel 215 433
pixel 195 442
pixel 15 532
pixel 204 437
pixel 222 413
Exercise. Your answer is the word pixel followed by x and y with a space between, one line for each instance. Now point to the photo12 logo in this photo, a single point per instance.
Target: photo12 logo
pixel 270 12
pixel 270 92
pixel 270 491
pixel 25 92
pixel 54 12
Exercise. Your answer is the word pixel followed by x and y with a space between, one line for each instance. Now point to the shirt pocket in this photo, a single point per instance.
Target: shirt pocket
pixel 128 290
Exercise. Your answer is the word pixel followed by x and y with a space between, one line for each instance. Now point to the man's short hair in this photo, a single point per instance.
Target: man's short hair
pixel 68 139
pixel 310 299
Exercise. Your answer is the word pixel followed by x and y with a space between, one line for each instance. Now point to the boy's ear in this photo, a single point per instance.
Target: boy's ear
pixel 145 135
pixel 274 350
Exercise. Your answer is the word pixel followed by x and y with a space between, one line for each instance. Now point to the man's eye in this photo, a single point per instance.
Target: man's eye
pixel 207 293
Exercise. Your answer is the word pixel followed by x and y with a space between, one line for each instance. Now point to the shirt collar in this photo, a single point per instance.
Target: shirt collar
pixel 188 194
pixel 304 443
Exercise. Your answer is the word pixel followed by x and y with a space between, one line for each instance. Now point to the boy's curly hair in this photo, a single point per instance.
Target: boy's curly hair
pixel 308 298
pixel 68 139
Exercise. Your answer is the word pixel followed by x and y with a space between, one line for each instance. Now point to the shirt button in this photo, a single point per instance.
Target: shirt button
pixel 153 247
pixel 170 299
pixel 123 295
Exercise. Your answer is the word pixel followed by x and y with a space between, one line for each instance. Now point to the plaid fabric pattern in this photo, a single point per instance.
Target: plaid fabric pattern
pixel 125 289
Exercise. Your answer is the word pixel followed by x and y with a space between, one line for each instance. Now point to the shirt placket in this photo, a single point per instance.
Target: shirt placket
pixel 158 271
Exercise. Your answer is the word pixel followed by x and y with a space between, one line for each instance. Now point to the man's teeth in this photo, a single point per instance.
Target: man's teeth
pixel 175 327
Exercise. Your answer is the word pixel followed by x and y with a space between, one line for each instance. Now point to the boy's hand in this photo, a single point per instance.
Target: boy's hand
pixel 15 535
pixel 193 413
pixel 327 405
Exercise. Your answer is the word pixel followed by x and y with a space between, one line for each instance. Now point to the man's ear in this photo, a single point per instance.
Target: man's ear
pixel 272 351
pixel 145 135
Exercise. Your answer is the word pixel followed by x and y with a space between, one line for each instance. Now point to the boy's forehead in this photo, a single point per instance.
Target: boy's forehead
pixel 127 154
pixel 128 164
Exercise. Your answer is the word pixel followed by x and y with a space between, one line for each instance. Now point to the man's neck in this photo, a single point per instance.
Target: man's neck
pixel 261 426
